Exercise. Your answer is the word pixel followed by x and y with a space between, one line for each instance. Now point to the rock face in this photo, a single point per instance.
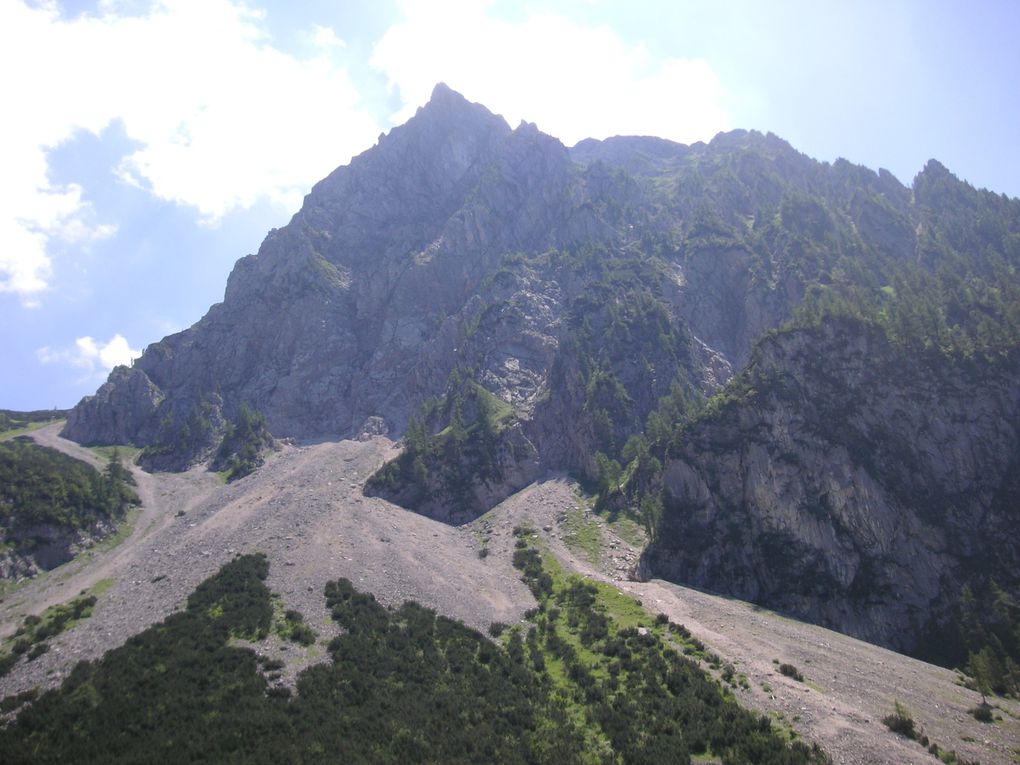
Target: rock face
pixel 850 484
pixel 123 411
pixel 30 550
pixel 336 317
pixel 422 256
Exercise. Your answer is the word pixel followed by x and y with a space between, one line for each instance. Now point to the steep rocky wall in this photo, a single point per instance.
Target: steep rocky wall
pixel 849 482
pixel 349 311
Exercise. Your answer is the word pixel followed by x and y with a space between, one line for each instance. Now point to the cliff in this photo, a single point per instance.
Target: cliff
pixel 851 482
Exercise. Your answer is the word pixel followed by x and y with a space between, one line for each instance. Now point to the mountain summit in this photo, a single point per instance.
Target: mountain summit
pixel 788 370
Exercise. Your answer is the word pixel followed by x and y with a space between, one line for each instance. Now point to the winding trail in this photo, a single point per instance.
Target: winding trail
pixel 157 493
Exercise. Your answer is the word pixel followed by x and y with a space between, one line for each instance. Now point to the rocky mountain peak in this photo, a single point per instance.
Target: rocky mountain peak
pixel 529 308
pixel 446 98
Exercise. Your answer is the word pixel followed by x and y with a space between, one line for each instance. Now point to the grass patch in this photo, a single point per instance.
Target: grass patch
pixel 290 625
pixel 30 638
pixel 628 529
pixel 24 430
pixel 782 725
pixel 627 612
pixel 63 616
pixel 124 529
pixel 495 410
pixel 581 534
pixel 102 586
pixel 127 453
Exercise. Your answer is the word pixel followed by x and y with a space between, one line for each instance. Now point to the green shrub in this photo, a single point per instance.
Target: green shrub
pixel 303 634
pixel 982 713
pixel 791 671
pixel 245 442
pixel 901 723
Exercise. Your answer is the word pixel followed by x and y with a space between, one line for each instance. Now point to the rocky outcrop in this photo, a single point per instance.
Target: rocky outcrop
pixel 123 411
pixel 30 550
pixel 452 486
pixel 850 482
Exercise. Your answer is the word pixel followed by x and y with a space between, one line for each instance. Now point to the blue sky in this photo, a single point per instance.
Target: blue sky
pixel 146 146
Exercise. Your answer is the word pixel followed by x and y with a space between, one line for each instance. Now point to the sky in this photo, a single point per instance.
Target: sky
pixel 147 145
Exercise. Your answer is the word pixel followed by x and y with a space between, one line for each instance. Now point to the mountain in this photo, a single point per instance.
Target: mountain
pixel 800 375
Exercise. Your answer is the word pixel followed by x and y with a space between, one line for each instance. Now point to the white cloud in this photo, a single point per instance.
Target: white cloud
pixel 325 37
pixel 573 81
pixel 93 358
pixel 222 119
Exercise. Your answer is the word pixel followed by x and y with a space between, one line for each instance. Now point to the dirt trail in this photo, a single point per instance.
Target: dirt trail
pixel 305 510
pixel 158 495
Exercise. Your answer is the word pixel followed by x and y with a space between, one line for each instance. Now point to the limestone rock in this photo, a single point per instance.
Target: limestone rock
pixel 854 486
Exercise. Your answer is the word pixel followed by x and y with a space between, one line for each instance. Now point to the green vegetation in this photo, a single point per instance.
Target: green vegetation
pixel 292 627
pixel 102 586
pixel 901 723
pixel 623 353
pixel 39 485
pixel 983 639
pixel 125 452
pixel 15 423
pixel 791 671
pixel 176 692
pixel 124 528
pixel 581 533
pixel 183 441
pixel 30 637
pixel 404 685
pixel 960 296
pixel 245 442
pixel 455 441
pixel 180 442
pixel 414 672
pixel 639 697
pixel 982 713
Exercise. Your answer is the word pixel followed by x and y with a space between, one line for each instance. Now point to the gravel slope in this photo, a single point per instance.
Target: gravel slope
pixel 305 510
